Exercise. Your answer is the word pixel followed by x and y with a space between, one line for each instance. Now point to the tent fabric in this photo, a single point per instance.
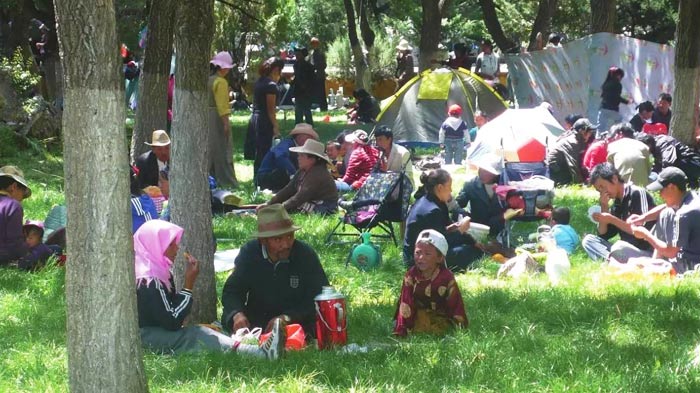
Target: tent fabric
pixel 519 135
pixel 417 110
pixel 570 77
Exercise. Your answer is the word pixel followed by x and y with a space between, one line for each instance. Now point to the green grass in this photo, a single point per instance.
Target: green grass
pixel 594 332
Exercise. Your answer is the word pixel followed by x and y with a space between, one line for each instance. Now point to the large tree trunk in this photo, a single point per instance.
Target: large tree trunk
pixel 543 21
pixel 493 25
pixel 104 345
pixel 687 73
pixel 603 16
pixel 431 28
pixel 189 187
pixel 151 113
pixel 357 51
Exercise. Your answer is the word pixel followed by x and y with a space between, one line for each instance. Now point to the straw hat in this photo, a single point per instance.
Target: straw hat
pixel 312 147
pixel 304 129
pixel 273 220
pixel 223 60
pixel 18 176
pixel 159 138
pixel 403 45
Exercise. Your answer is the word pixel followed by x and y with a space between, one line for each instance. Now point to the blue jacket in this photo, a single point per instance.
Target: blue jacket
pixel 279 157
pixel 565 237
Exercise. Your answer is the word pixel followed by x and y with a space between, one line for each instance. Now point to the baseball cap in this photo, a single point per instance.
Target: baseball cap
pixel 584 124
pixel 435 238
pixel 669 175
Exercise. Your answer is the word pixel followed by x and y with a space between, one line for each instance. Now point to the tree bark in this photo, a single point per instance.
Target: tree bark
pixel 190 197
pixel 687 73
pixel 543 21
pixel 431 28
pixel 104 345
pixel 358 53
pixel 603 16
pixel 152 111
pixel 493 25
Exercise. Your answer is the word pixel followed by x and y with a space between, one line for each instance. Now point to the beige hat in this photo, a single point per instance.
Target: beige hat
pixel 403 45
pixel 273 220
pixel 159 138
pixel 435 238
pixel 490 163
pixel 312 147
pixel 16 174
pixel 358 136
pixel 304 129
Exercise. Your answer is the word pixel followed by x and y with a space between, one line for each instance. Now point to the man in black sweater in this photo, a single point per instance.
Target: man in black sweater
pixel 275 277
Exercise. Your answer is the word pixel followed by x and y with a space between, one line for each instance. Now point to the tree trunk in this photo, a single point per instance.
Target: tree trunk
pixel 104 345
pixel 365 28
pixel 431 28
pixel 152 111
pixel 543 21
pixel 687 73
pixel 190 197
pixel 357 51
pixel 493 25
pixel 603 16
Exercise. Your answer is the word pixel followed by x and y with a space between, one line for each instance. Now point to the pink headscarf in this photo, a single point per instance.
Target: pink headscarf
pixel 150 242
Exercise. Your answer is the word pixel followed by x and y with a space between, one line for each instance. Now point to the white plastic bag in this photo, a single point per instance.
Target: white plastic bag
pixel 247 336
pixel 557 265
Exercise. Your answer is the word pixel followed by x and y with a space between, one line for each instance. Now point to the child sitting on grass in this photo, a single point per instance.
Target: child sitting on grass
pixel 430 300
pixel 564 234
pixel 333 152
pixel 39 252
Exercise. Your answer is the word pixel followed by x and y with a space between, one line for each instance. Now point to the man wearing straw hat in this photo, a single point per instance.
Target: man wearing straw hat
pixel 151 163
pixel 279 164
pixel 13 189
pixel 275 277
pixel 404 63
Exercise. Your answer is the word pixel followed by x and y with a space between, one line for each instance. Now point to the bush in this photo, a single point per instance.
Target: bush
pixel 20 71
pixel 382 62
pixel 339 59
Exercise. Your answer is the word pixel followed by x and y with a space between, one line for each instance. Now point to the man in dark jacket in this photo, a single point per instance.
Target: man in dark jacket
pixel 304 79
pixel 151 163
pixel 478 193
pixel 669 151
pixel 276 276
pixel 564 160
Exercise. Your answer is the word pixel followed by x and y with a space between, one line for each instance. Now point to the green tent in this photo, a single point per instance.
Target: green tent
pixel 417 110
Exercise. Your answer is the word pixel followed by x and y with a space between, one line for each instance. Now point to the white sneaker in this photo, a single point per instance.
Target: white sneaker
pixel 273 346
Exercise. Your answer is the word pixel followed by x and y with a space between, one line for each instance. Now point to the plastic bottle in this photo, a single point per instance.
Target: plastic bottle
pixel 557 264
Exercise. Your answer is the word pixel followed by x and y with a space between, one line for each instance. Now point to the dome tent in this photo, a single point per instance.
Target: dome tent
pixel 416 111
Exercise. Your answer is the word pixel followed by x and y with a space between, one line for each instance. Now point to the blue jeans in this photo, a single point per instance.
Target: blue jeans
pixel 454 149
pixel 342 186
pixel 606 119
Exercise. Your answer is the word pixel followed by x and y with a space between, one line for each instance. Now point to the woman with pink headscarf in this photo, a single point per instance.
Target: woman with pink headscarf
pixel 162 309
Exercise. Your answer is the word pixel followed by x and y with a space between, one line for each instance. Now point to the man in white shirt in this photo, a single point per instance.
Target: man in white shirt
pixel 393 157
pixel 487 62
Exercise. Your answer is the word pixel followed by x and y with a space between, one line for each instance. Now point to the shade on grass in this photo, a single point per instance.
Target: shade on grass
pixel 594 332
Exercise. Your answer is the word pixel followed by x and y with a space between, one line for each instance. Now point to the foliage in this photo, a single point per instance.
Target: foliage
pixel 339 59
pixel 651 20
pixel 382 63
pixel 20 69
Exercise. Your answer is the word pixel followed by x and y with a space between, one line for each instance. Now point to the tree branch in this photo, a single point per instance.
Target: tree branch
pixel 242 10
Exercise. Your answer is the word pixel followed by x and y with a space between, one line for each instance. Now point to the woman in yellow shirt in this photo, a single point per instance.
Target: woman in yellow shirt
pixel 220 144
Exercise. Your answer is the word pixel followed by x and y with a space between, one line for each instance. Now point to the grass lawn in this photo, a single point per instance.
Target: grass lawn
pixel 594 332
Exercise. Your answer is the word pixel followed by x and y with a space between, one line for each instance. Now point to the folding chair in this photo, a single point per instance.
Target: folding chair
pixel 381 201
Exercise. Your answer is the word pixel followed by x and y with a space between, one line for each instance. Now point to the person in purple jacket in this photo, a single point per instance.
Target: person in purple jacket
pixel 37 252
pixel 13 189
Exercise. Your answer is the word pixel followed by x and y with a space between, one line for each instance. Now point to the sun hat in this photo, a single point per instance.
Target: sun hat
pixel 490 163
pixel 358 136
pixel 313 147
pixel 159 138
pixel 16 174
pixel 403 45
pixel 223 60
pixel 454 110
pixel 304 129
pixel 273 220
pixel 435 238
pixel 669 175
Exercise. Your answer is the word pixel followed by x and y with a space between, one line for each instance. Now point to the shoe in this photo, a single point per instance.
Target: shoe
pixel 273 346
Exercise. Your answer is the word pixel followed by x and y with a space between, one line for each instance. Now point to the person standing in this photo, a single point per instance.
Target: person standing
pixel 404 63
pixel 220 143
pixel 611 97
pixel 629 156
pixel 303 87
pixel 318 61
pixel 487 62
pixel 263 126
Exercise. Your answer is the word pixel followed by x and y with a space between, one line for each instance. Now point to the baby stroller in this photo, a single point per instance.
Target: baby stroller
pixel 525 193
pixel 381 201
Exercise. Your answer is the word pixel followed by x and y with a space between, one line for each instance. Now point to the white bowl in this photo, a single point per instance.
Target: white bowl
pixel 591 211
pixel 479 231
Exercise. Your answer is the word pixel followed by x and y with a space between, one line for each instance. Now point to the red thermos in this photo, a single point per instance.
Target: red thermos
pixel 331 323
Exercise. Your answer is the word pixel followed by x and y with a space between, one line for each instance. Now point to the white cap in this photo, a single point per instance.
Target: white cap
pixel 435 238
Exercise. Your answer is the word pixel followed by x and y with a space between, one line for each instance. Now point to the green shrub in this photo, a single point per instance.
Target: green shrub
pixel 339 59
pixel 382 63
pixel 20 71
